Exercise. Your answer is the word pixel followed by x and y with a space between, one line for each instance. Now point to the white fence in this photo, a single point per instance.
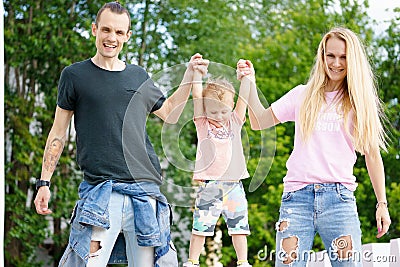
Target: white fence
pixel 372 255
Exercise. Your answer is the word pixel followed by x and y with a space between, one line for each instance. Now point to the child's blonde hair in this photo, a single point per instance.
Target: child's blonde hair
pixel 219 89
pixel 359 94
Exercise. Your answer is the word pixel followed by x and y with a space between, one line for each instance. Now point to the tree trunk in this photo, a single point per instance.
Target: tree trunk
pixel 142 50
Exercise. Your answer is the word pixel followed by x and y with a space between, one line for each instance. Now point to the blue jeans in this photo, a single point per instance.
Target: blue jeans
pixel 121 217
pixel 327 209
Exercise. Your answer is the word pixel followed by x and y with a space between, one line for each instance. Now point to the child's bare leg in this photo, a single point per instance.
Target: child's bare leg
pixel 240 245
pixel 196 246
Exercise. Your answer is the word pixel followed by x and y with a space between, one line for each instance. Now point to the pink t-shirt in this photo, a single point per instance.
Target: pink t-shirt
pixel 219 151
pixel 328 156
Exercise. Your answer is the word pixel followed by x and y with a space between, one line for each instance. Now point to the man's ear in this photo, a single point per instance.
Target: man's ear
pixel 94 29
pixel 128 35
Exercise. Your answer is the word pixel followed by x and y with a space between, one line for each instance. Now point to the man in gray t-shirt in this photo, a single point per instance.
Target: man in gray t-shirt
pixel 98 92
pixel 99 99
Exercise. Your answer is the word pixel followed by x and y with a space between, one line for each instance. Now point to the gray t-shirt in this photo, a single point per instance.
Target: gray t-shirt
pixel 110 113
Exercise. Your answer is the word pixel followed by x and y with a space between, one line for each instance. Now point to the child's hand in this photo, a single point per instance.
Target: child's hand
pixel 197 63
pixel 245 68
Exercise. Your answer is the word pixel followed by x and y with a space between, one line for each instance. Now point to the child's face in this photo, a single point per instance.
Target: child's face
pixel 218 111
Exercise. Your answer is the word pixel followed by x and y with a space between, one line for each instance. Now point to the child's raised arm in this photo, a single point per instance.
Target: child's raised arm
pixel 200 66
pixel 174 105
pixel 245 87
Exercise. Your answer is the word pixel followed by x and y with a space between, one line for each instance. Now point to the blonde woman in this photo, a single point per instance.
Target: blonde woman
pixel 336 114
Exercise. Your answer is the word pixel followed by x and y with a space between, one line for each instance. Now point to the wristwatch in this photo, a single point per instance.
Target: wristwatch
pixel 40 183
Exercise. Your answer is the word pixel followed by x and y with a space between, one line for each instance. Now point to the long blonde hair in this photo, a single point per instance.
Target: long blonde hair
pixel 359 95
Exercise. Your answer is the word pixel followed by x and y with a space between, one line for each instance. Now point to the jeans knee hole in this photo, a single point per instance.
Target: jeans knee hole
pixel 289 249
pixel 95 247
pixel 282 225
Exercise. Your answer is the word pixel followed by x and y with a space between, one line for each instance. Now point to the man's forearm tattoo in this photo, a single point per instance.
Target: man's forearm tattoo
pixel 52 154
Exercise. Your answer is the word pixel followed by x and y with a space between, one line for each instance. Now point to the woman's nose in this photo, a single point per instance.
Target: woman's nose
pixel 337 62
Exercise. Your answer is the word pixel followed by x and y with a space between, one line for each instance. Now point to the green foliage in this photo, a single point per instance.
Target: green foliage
pixel 387 67
pixel 40 40
pixel 279 37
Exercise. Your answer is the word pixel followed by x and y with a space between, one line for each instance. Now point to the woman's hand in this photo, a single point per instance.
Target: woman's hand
pixel 244 68
pixel 382 219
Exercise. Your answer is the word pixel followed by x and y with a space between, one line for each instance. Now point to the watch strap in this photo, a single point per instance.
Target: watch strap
pixel 40 183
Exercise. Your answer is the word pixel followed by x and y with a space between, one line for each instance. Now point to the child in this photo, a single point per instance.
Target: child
pixel 220 165
pixel 336 113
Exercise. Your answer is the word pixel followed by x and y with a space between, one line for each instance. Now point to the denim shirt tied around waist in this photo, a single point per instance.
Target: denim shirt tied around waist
pixel 152 229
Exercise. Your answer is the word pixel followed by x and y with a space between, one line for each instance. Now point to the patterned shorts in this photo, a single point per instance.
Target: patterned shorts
pixel 220 197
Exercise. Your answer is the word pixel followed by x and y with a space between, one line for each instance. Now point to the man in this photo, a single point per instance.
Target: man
pixel 120 191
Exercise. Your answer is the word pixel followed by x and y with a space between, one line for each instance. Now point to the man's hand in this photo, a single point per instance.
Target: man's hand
pixel 42 200
pixel 197 63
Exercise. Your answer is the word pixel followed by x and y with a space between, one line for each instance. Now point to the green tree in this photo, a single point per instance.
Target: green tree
pixel 387 62
pixel 41 38
pixel 280 37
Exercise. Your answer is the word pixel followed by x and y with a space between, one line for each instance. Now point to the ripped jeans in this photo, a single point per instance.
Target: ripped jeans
pixel 121 219
pixel 327 209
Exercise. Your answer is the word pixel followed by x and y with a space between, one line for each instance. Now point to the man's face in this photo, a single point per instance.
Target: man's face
pixel 111 33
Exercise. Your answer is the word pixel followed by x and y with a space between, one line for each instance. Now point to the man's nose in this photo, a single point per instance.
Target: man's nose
pixel 111 36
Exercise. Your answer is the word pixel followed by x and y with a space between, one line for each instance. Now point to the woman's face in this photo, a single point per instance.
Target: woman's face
pixel 335 56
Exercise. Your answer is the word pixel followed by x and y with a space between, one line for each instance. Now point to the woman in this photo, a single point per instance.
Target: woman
pixel 336 114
